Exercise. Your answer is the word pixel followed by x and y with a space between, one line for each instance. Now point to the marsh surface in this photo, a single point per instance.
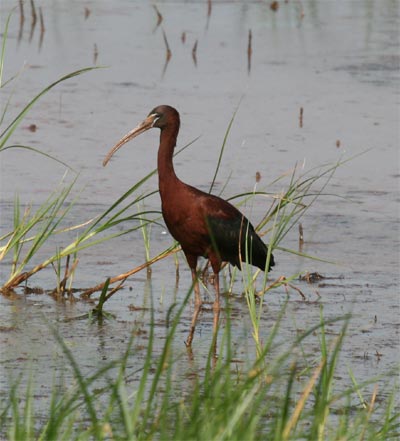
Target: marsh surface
pixel 339 62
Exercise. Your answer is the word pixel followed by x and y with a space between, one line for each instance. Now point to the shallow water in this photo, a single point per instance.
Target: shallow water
pixel 339 62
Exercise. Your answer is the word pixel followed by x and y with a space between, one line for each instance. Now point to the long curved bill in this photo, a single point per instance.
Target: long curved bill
pixel 142 127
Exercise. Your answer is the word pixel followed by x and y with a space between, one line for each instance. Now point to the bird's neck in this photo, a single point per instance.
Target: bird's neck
pixel 166 173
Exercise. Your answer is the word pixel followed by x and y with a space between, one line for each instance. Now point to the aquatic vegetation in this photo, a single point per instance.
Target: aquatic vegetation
pixel 279 395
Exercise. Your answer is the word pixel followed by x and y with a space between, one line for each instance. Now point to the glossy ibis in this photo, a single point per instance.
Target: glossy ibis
pixel 204 224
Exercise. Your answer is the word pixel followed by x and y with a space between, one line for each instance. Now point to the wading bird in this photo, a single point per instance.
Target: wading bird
pixel 204 224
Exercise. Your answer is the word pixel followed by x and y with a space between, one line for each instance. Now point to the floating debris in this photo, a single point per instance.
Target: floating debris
pixel 281 281
pixel 21 11
pixel 301 11
pixel 249 51
pixel 311 277
pixel 95 54
pixel 168 54
pixel 301 237
pixel 258 177
pixel 194 53
pixel 32 127
pixel 168 50
pixel 209 9
pixel 34 290
pixel 159 18
pixel 42 28
pixel 274 6
pixel 34 20
pixel 301 117
pixel 8 328
pixel 21 20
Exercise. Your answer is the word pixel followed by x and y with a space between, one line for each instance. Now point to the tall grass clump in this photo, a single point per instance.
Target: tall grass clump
pixel 46 220
pixel 277 396
pixel 33 228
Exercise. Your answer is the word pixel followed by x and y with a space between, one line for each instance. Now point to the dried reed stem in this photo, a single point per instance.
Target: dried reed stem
pixel 122 277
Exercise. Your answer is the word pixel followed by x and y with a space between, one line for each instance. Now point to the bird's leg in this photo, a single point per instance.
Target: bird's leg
pixel 216 306
pixel 197 307
pixel 216 310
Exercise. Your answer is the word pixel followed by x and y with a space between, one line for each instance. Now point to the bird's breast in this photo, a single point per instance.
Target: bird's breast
pixel 186 222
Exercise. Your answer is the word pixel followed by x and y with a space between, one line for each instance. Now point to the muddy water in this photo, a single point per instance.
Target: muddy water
pixel 337 60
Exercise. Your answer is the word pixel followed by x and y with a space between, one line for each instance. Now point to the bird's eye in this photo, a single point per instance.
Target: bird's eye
pixel 156 117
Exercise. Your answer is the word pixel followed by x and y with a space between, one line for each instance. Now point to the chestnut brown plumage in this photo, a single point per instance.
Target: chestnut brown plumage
pixel 204 224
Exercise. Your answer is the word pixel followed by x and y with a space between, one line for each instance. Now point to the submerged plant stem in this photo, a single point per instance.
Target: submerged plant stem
pixel 174 249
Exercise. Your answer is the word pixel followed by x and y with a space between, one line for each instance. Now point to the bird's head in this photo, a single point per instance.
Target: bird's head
pixel 160 117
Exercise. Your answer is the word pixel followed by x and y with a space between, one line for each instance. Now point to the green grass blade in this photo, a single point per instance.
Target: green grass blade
pixel 32 149
pixel 83 385
pixel 3 46
pixel 5 135
pixel 223 145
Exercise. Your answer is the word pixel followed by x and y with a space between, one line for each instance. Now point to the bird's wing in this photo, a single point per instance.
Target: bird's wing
pixel 229 232
pixel 229 237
